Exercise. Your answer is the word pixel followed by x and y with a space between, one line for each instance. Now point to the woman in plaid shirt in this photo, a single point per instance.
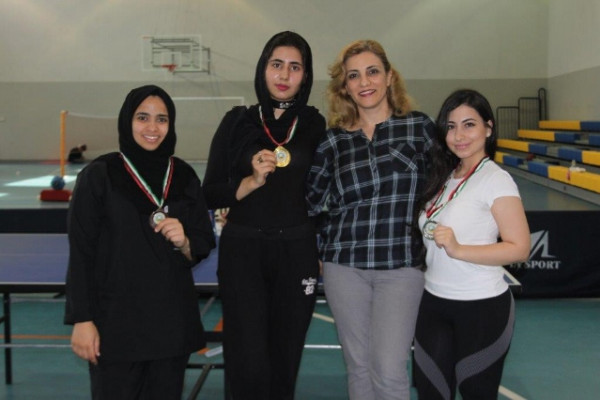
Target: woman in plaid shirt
pixel 366 173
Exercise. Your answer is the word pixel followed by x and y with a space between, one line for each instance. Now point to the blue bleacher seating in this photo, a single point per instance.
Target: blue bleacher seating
pixel 512 161
pixel 566 137
pixel 537 148
pixel 593 126
pixel 568 153
pixel 594 140
pixel 538 168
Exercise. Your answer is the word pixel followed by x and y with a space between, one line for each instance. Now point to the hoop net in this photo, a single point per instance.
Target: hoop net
pixel 169 67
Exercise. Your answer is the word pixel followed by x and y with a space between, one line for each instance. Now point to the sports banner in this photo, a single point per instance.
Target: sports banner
pixel 564 260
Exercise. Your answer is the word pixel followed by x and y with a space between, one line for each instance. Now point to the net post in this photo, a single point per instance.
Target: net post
pixel 63 120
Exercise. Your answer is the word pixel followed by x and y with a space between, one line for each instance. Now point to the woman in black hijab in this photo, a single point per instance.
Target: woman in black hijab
pixel 137 224
pixel 268 262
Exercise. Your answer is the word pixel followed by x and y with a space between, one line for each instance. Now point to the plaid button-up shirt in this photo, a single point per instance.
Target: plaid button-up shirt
pixel 369 189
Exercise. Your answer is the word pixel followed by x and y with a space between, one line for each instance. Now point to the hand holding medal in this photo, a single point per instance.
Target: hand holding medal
pixel 157 216
pixel 170 228
pixel 444 238
pixel 437 205
pixel 263 163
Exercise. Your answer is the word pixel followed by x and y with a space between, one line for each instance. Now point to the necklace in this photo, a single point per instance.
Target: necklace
pixel 161 212
pixel 284 105
pixel 435 208
pixel 282 155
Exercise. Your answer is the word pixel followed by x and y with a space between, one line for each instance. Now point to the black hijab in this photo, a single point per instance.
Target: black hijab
pixel 151 165
pixel 249 129
pixel 290 39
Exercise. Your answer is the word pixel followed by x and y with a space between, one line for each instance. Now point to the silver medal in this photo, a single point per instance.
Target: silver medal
pixel 156 217
pixel 428 229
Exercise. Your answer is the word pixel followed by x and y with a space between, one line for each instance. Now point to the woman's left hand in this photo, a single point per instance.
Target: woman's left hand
pixel 172 230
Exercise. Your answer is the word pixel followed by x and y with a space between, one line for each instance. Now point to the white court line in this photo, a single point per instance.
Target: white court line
pixel 323 317
pixel 323 346
pixel 510 394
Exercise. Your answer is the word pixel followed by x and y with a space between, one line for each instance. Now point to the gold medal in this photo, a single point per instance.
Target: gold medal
pixel 283 156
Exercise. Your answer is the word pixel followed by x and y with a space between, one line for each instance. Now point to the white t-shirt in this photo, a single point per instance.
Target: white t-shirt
pixel 469 215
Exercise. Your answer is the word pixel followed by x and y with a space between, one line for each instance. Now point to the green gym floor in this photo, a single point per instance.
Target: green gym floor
pixel 555 354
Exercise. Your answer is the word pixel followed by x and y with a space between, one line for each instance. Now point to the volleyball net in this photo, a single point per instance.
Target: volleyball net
pixel 197 120
pixel 98 133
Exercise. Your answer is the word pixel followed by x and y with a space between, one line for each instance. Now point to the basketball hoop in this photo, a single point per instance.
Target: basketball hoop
pixel 169 67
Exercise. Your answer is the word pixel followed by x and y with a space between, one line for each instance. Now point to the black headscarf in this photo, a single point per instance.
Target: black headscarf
pixel 152 165
pixel 249 129
pixel 291 39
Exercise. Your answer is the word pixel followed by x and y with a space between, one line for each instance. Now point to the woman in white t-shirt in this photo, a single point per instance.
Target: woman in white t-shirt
pixel 472 221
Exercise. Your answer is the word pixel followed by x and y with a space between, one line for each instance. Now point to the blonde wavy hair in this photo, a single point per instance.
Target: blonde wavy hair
pixel 343 111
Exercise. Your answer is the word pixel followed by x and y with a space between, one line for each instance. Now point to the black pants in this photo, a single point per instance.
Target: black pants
pixel 143 380
pixel 267 284
pixel 462 344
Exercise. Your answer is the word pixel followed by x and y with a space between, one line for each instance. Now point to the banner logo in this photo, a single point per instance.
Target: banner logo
pixel 539 256
pixel 540 243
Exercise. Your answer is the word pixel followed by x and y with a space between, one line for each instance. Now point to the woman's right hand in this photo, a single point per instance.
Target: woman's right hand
pixel 263 163
pixel 85 341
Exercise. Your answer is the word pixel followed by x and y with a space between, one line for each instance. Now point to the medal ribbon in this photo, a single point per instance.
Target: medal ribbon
pixel 290 133
pixel 144 186
pixel 435 208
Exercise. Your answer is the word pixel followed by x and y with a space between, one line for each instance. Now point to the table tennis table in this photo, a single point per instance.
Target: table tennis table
pixel 37 263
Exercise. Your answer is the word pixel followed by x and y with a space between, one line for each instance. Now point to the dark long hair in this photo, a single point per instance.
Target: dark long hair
pixel 291 39
pixel 443 161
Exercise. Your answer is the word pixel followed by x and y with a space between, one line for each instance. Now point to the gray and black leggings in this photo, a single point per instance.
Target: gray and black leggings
pixel 462 344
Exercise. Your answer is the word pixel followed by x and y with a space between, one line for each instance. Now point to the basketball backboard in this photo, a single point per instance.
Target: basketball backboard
pixel 174 52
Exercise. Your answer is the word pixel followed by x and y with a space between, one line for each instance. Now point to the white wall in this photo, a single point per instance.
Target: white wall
pixel 573 38
pixel 84 55
pixel 100 40
pixel 574 60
